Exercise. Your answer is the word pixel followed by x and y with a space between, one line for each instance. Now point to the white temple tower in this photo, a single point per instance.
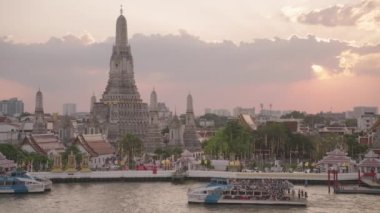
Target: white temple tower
pixel 121 111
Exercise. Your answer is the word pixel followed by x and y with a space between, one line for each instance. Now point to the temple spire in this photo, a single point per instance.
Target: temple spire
pixel 153 101
pixel 189 108
pixel 121 30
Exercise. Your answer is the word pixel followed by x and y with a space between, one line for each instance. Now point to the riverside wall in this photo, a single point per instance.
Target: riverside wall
pixel 170 175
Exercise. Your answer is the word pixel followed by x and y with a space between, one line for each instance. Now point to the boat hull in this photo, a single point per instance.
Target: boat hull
pixel 252 202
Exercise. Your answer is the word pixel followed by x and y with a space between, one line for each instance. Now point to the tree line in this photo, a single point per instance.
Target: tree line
pixel 275 141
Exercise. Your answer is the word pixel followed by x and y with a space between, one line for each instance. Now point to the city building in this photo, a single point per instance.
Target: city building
pixel 208 111
pixel 375 136
pixel 9 133
pixel 206 123
pixel 121 110
pixel 366 121
pixel 69 109
pixel 361 110
pixel 11 107
pixel 222 112
pixel 240 110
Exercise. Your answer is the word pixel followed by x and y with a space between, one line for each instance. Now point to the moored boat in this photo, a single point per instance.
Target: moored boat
pixel 23 174
pixel 9 184
pixel 255 192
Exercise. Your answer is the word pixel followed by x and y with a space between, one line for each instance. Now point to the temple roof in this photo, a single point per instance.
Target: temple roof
pixel 43 143
pixel 370 162
pixel 335 157
pixel 337 152
pixel 371 154
pixel 248 121
pixel 95 144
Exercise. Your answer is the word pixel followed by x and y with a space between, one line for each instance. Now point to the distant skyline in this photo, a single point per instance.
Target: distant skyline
pixel 296 55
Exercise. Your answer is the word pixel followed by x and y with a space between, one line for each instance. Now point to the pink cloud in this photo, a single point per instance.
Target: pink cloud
pixel 10 89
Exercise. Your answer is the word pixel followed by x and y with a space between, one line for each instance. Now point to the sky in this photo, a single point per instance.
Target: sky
pixel 293 54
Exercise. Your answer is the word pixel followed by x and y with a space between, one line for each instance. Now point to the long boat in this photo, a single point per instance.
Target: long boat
pixel 9 184
pixel 254 192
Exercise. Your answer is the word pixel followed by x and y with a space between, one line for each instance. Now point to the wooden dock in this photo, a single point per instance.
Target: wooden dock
pixel 356 190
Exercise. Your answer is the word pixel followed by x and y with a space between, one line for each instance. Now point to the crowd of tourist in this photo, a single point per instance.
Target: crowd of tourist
pixel 265 189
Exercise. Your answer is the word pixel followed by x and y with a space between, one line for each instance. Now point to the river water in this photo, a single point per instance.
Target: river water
pixel 165 197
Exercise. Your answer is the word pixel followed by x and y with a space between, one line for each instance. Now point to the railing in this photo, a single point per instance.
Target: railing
pixel 274 175
pixel 191 174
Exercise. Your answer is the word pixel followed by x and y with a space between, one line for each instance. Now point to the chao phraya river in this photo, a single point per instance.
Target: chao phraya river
pixel 165 197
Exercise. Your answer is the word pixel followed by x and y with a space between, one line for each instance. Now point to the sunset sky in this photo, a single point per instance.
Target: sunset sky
pixel 294 54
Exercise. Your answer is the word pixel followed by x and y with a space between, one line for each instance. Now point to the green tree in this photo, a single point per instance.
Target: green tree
pixel 132 146
pixel 233 140
pixel 295 115
pixel 274 137
pixel 167 152
pixel 354 148
pixel 21 157
pixel 351 122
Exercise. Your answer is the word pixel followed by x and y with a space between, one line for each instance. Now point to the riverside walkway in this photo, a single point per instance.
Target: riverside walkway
pixel 134 175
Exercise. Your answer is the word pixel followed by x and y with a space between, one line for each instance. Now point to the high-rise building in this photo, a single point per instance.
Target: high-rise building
pixel 11 107
pixel 69 109
pixel 222 112
pixel 121 110
pixel 360 111
pixel 240 110
pixel 208 111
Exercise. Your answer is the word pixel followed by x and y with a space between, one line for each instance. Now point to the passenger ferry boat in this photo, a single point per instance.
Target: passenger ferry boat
pixel 23 174
pixel 257 192
pixel 9 184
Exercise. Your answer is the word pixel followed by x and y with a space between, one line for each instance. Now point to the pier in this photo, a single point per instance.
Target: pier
pixel 168 175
